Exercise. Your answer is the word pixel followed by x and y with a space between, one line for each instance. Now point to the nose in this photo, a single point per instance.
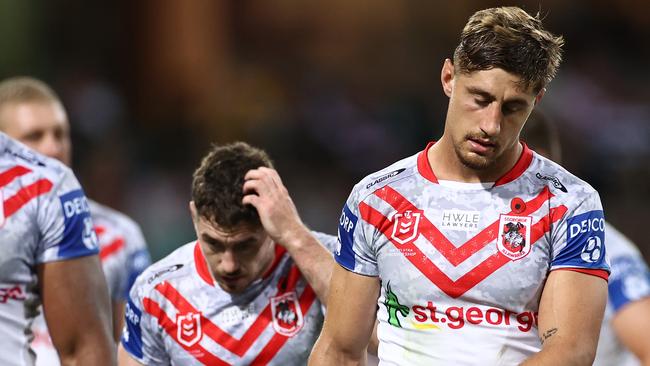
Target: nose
pixel 491 121
pixel 228 263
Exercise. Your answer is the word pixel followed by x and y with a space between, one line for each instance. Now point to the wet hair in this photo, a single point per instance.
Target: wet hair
pixel 26 89
pixel 217 184
pixel 540 134
pixel 510 39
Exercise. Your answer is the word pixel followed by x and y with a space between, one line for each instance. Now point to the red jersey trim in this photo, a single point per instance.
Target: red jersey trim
pixel 517 170
pixel 423 164
pixel 592 272
pixel 279 253
pixel 202 265
pixel 520 166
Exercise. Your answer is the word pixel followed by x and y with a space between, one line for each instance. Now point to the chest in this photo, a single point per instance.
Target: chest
pixel 277 325
pixel 446 246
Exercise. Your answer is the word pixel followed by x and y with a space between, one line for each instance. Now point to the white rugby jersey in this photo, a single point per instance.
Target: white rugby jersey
pixel 44 218
pixel 462 266
pixel 629 282
pixel 178 315
pixel 123 254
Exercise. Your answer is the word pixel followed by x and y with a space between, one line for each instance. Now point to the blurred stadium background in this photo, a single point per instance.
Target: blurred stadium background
pixel 332 89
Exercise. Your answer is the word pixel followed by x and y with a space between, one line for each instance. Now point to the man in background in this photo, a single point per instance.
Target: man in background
pixel 32 113
pixel 48 257
pixel 249 290
pixel 625 332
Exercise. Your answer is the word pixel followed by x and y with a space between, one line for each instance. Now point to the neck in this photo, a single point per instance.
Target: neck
pixel 446 164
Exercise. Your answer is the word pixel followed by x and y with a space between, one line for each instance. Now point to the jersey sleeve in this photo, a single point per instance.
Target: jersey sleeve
pixel 141 336
pixel 137 259
pixel 65 223
pixel 354 250
pixel 579 240
pixel 630 279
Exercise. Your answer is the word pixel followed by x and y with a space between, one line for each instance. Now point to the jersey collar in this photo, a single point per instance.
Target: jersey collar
pixel 526 157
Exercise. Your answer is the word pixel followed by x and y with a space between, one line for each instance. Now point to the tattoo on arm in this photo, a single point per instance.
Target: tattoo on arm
pixel 548 334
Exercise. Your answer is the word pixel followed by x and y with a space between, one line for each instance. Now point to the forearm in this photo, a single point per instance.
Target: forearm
pixel 326 354
pixel 86 353
pixel 567 354
pixel 313 260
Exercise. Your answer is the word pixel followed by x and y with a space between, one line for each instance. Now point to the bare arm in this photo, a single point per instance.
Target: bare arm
pixel 349 321
pixel 264 190
pixel 124 359
pixel 118 319
pixel 570 313
pixel 77 311
pixel 632 326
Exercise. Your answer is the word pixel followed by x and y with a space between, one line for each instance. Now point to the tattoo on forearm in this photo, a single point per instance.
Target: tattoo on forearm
pixel 548 334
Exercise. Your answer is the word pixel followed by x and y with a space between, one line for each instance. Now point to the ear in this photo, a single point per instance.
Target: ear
pixel 194 212
pixel 539 95
pixel 447 77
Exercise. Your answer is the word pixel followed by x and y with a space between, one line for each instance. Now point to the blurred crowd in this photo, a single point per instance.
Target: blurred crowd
pixel 333 90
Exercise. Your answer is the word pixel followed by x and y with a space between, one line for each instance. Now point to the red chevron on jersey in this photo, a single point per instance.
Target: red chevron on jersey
pixel 24 195
pixel 9 175
pixel 455 288
pixel 196 350
pixel 455 255
pixel 203 326
pixel 110 249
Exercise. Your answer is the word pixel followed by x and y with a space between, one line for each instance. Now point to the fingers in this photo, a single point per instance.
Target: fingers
pixel 251 199
pixel 265 174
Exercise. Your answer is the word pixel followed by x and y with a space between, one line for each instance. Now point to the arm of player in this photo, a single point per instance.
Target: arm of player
pixel 264 190
pixel 570 313
pixel 349 321
pixel 632 326
pixel 124 359
pixel 118 319
pixel 77 311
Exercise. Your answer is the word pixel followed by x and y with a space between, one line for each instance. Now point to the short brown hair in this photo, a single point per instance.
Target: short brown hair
pixel 218 181
pixel 26 89
pixel 510 39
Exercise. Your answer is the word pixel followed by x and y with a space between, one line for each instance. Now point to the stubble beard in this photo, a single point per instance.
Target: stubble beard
pixel 472 160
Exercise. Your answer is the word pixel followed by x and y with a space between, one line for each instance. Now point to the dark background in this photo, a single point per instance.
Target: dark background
pixel 332 89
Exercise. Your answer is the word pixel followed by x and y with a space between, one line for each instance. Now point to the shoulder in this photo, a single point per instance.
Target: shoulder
pixel 176 265
pixel 618 245
pixel 558 178
pixel 119 222
pixel 400 170
pixel 27 162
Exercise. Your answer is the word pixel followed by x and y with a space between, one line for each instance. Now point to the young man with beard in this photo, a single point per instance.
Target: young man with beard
pixel 248 291
pixel 462 252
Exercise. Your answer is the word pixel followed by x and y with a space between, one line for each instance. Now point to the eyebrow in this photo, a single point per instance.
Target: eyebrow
pixel 213 241
pixel 490 98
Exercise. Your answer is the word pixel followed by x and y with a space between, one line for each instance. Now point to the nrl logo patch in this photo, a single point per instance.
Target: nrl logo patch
pixel 556 182
pixel 513 239
pixel 287 315
pixel 188 329
pixel 405 226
